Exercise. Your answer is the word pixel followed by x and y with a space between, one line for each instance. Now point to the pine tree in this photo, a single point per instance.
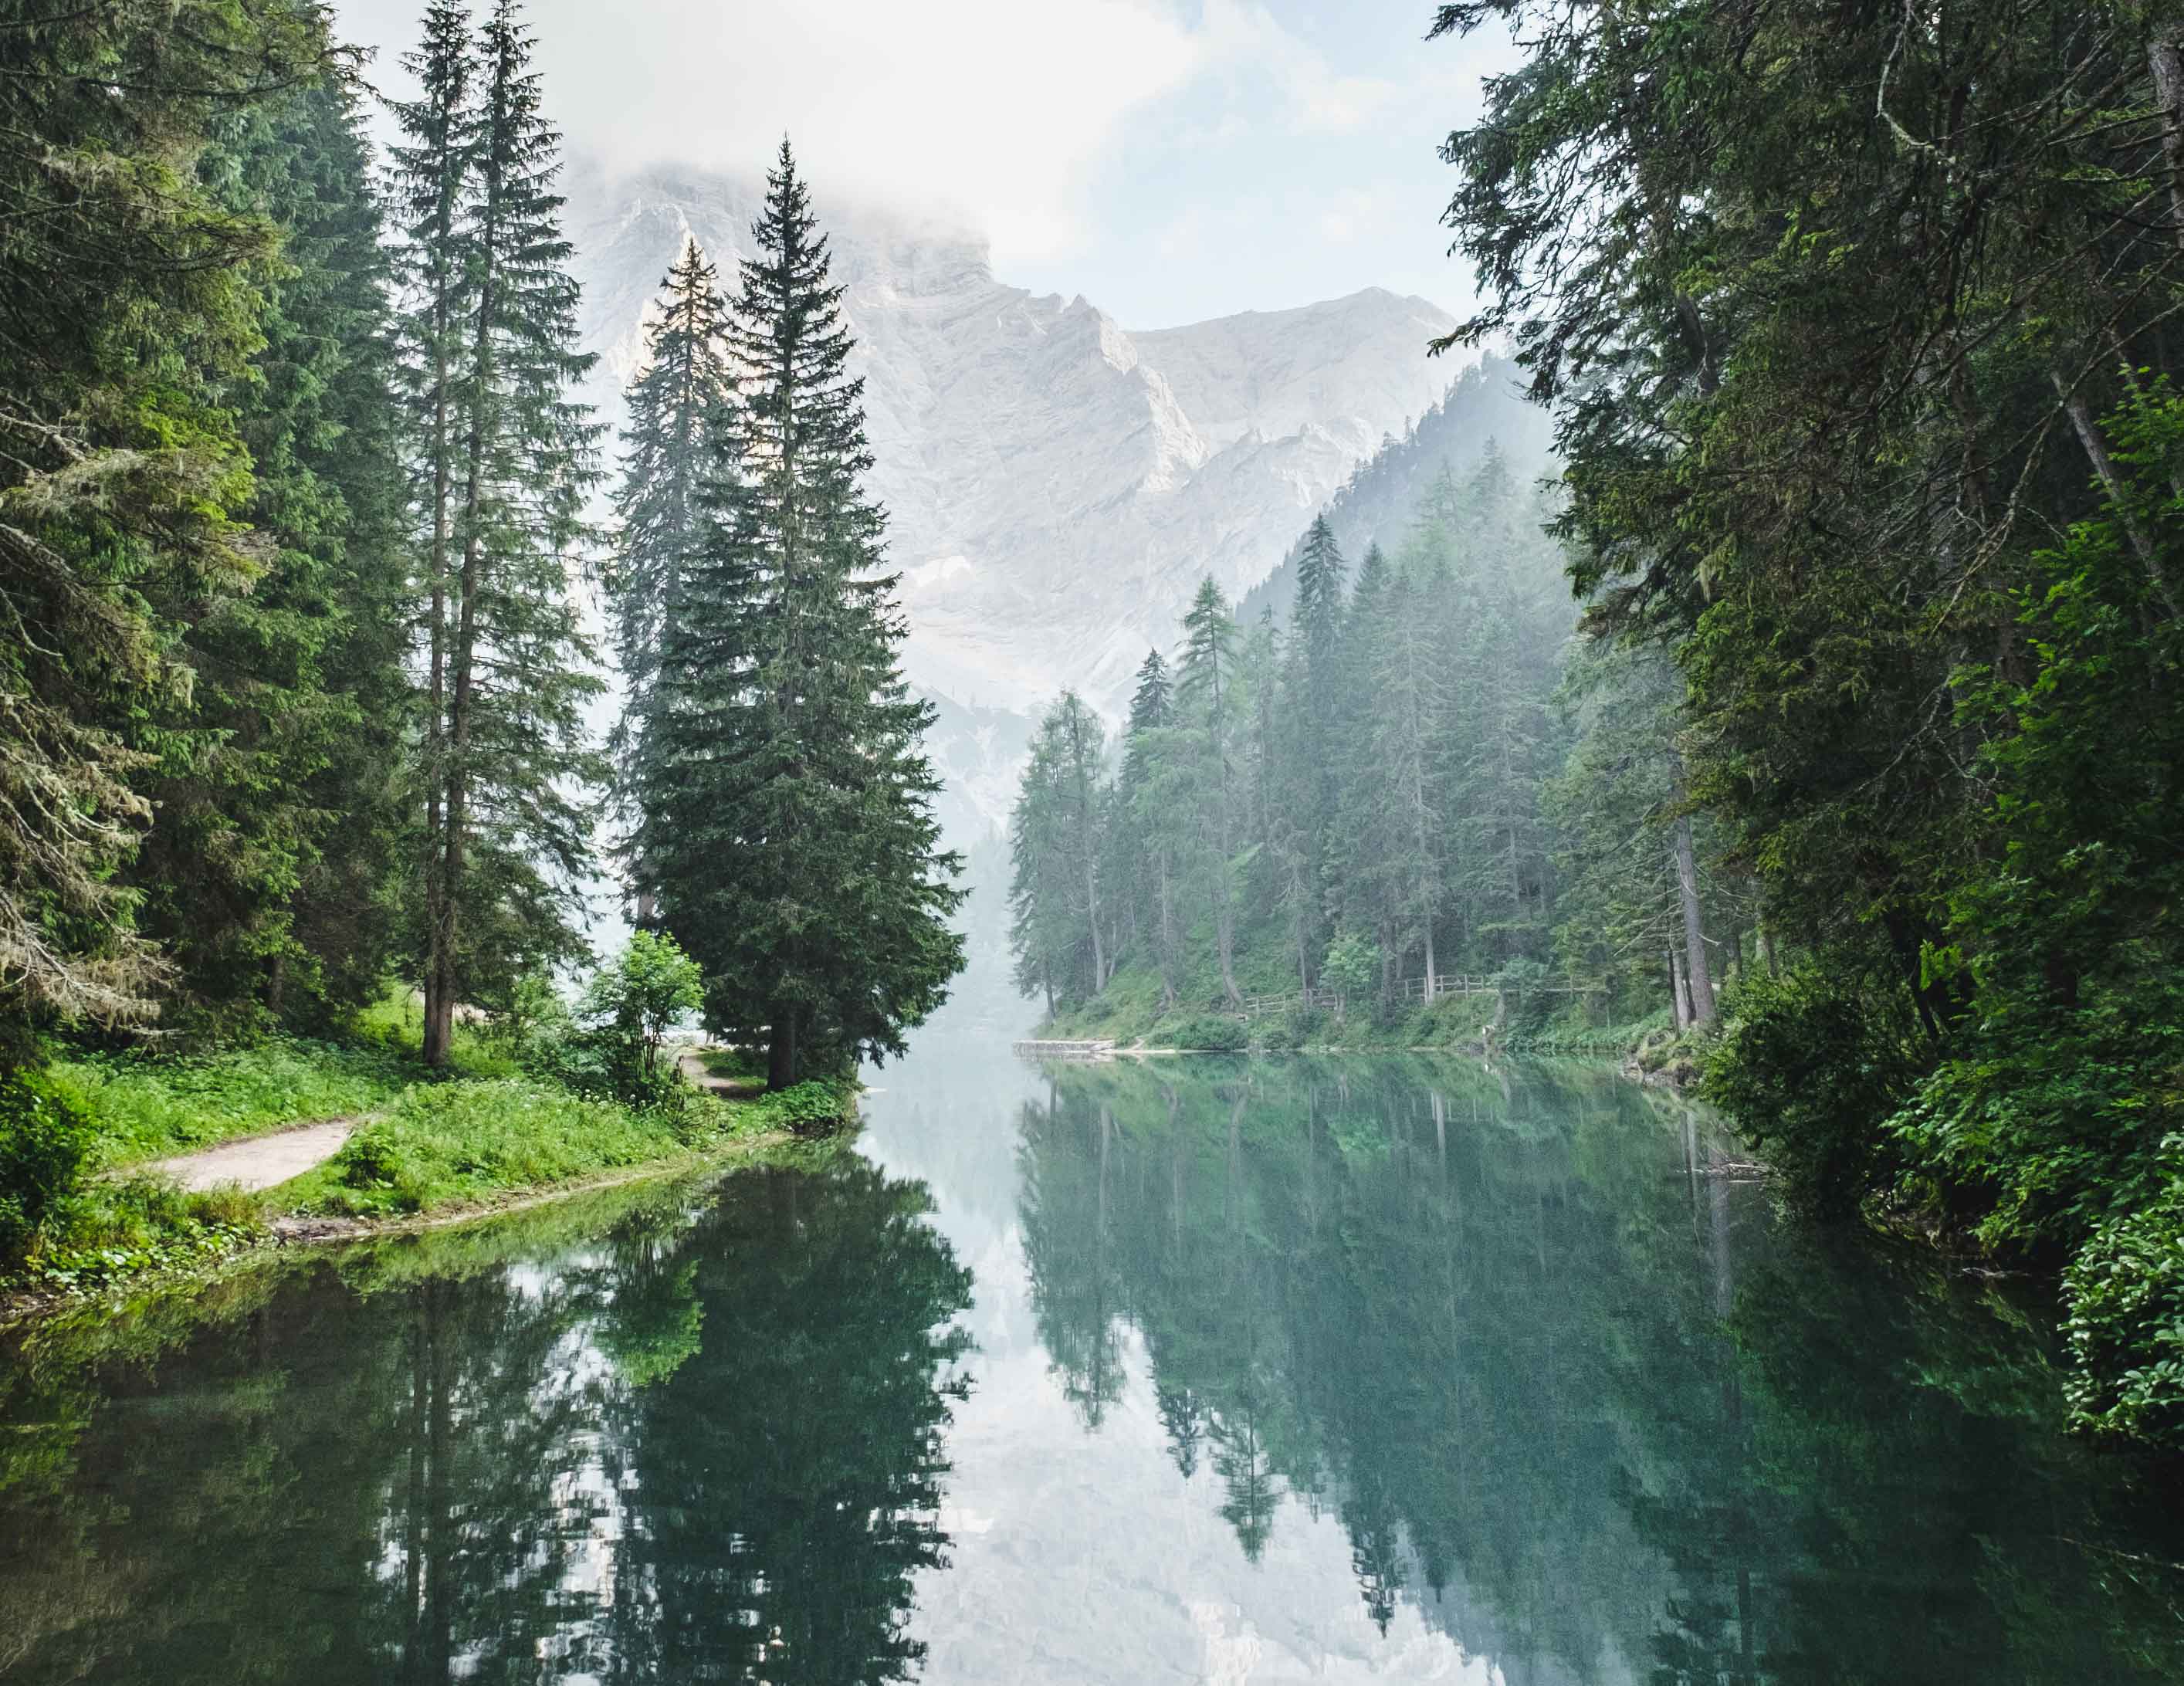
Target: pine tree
pixel 675 445
pixel 1312 706
pixel 430 184
pixel 508 842
pixel 1144 858
pixel 787 810
pixel 1059 848
pixel 126 291
pixel 1206 701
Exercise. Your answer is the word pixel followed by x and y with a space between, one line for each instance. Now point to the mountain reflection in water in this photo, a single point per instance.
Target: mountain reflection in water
pixel 1201 1370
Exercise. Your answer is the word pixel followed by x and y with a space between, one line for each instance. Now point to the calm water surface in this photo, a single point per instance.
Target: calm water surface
pixel 1214 1371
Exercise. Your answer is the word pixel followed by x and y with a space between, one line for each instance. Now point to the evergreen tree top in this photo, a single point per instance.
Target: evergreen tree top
pixel 1150 703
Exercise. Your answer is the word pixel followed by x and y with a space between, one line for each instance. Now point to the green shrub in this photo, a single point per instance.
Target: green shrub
pixel 812 1107
pixel 605 1064
pixel 43 1143
pixel 2124 1292
pixel 1808 1066
pixel 1208 1033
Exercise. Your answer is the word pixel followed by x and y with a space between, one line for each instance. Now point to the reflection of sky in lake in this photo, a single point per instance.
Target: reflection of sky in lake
pixel 1447 1346
pixel 1086 1556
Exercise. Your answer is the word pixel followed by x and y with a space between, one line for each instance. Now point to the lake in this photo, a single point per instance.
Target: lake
pixel 1207 1370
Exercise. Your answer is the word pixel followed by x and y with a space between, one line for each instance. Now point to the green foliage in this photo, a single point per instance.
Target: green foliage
pixel 145 1105
pixel 650 988
pixel 1811 1074
pixel 445 1144
pixel 1352 965
pixel 44 1142
pixel 2125 1295
pixel 1206 1034
pixel 130 292
pixel 786 799
pixel 815 1106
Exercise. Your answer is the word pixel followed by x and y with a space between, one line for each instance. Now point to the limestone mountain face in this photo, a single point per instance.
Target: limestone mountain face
pixel 1057 485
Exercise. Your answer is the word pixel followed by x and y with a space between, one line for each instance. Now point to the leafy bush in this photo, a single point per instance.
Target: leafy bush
pixel 650 988
pixel 605 1065
pixel 43 1143
pixel 1208 1033
pixel 1808 1066
pixel 812 1107
pixel 2047 1122
pixel 2125 1296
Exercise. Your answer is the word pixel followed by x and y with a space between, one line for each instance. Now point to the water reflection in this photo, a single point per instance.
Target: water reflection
pixel 686 1438
pixel 1573 1397
pixel 1284 1369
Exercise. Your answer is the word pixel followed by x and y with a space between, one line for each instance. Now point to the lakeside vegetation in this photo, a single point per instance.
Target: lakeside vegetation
pixel 1850 746
pixel 295 500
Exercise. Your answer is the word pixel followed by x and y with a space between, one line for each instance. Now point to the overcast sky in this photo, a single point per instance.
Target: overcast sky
pixel 1169 159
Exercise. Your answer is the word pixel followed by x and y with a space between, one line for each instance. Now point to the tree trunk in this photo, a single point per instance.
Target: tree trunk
pixel 440 990
pixel 1677 992
pixel 1167 936
pixel 1224 924
pixel 2167 63
pixel 2096 448
pixel 781 1049
pixel 1700 983
pixel 1767 950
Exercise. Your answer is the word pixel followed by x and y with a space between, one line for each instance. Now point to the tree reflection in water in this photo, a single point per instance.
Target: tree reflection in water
pixel 1593 1410
pixel 706 1446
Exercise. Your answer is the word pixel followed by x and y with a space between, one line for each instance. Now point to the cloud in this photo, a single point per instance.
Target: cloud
pixel 993 108
pixel 1080 137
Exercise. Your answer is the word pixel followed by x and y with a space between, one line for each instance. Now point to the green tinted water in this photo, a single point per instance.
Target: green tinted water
pixel 1212 1370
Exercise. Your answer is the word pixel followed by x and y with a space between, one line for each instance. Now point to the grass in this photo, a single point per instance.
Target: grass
pixel 144 1106
pixel 486 1132
pixel 395 1024
pixel 458 1143
pixel 469 1143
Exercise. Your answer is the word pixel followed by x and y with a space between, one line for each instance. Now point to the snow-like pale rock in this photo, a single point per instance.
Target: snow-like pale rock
pixel 1057 485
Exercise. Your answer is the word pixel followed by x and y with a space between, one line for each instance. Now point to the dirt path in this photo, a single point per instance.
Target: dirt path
pixel 691 1062
pixel 259 1161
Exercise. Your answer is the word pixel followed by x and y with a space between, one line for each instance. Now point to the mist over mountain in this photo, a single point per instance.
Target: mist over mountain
pixel 1057 484
pixel 1383 494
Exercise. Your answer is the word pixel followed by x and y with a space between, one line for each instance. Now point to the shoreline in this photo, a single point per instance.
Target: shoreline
pixel 22 1307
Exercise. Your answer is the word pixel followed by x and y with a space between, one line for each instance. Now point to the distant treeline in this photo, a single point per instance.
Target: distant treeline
pixel 1423 774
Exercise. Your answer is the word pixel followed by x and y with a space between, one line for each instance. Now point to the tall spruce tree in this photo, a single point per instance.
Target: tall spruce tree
pixel 787 808
pixel 675 445
pixel 1060 928
pixel 126 312
pixel 430 185
pixel 1141 834
pixel 507 753
pixel 1206 694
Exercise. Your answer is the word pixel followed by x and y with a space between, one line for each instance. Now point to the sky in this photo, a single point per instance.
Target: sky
pixel 1171 160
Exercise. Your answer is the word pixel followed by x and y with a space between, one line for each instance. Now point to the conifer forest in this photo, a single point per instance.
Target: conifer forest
pixel 737 945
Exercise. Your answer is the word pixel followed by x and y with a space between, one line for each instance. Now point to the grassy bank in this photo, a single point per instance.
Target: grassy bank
pixel 469 1143
pixel 86 1122
pixel 145 1109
